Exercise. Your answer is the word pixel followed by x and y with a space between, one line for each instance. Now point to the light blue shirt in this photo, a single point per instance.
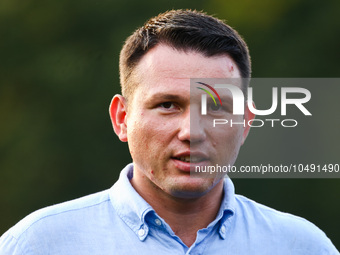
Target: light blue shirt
pixel 119 221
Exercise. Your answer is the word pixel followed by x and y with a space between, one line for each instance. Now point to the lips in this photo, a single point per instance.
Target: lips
pixel 187 160
pixel 190 159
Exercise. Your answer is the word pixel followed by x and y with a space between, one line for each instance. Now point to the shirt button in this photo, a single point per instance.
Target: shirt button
pixel 141 232
pixel 223 229
pixel 158 222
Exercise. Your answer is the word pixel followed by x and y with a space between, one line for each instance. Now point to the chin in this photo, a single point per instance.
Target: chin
pixel 195 188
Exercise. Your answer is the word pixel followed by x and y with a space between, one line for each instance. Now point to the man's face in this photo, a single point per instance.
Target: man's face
pixel 158 118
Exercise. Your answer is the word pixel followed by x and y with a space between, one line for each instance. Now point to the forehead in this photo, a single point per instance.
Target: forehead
pixel 165 69
pixel 163 60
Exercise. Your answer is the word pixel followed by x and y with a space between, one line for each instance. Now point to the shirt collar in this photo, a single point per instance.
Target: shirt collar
pixel 227 209
pixel 132 208
pixel 129 205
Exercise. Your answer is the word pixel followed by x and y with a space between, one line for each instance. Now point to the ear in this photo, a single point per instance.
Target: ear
pixel 248 115
pixel 118 114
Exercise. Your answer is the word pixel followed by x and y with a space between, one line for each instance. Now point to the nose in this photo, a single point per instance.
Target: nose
pixel 191 129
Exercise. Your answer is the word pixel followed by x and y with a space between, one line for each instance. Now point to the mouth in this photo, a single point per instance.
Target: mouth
pixel 187 161
pixel 190 159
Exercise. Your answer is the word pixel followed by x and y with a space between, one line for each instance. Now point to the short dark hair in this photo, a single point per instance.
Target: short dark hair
pixel 182 30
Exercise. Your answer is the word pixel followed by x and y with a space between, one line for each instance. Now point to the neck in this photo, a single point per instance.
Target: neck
pixel 185 216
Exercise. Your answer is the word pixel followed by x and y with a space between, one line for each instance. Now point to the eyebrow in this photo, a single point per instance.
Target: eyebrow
pixel 161 96
pixel 165 96
pixel 226 98
pixel 227 101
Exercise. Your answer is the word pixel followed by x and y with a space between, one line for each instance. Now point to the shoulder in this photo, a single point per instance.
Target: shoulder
pixel 67 210
pixel 250 207
pixel 290 229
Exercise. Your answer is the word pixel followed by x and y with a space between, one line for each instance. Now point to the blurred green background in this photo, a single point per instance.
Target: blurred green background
pixel 59 71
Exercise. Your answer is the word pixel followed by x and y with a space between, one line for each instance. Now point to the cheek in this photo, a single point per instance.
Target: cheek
pixel 227 135
pixel 136 136
pixel 146 137
pixel 227 142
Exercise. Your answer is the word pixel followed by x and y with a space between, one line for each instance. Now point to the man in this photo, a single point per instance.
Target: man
pixel 156 207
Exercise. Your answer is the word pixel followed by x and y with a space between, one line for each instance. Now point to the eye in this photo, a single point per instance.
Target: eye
pixel 215 108
pixel 167 105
